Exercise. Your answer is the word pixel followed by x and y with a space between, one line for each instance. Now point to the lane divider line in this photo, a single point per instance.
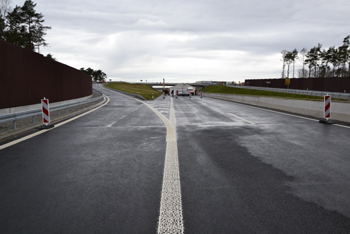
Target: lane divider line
pixel 46 130
pixel 170 215
pixel 241 118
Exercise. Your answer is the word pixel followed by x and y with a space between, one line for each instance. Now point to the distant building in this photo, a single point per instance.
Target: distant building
pixel 213 82
pixel 160 87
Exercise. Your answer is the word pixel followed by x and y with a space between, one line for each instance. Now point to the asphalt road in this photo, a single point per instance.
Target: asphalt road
pixel 242 170
pixel 250 170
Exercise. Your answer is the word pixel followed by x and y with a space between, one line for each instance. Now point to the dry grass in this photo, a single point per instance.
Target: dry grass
pixel 141 89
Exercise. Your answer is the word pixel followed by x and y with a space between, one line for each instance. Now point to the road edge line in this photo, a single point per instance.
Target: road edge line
pixel 11 143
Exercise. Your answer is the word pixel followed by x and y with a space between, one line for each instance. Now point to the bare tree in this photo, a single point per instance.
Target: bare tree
pixel 289 60
pixel 284 53
pixel 294 56
pixel 302 52
pixel 4 7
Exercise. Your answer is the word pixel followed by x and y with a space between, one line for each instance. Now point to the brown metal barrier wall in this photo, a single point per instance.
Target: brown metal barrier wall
pixel 330 84
pixel 26 77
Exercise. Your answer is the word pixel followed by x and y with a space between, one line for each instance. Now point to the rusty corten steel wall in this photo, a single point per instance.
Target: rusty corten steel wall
pixel 26 77
pixel 330 84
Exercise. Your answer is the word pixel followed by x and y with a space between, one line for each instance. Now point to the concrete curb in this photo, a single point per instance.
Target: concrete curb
pixel 339 111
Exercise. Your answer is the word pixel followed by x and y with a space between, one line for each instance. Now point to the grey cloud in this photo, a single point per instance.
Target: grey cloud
pixel 121 35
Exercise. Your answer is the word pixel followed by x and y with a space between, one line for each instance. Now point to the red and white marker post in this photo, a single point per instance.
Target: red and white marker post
pixel 163 94
pixel 45 111
pixel 190 95
pixel 327 107
pixel 327 110
pixel 201 94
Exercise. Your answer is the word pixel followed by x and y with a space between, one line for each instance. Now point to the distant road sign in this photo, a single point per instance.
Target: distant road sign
pixel 287 81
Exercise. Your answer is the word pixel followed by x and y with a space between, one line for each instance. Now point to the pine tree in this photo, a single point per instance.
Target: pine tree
pixel 344 54
pixel 25 26
pixel 2 28
pixel 334 54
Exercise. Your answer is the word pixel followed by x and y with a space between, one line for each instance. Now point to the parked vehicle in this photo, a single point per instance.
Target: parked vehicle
pixel 185 92
pixel 191 90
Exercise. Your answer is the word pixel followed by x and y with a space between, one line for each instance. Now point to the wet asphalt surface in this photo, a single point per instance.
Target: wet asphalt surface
pixel 242 170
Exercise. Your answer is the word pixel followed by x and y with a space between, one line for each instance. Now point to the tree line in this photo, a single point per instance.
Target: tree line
pixel 22 26
pixel 96 75
pixel 318 62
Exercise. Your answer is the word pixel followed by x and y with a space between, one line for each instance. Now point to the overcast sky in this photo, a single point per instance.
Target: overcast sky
pixel 186 40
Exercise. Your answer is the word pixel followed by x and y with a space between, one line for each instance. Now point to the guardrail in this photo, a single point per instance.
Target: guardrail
pixel 95 90
pixel 32 113
pixel 345 96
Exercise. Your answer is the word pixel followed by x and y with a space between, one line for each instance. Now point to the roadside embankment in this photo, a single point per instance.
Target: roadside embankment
pixel 340 111
pixel 137 90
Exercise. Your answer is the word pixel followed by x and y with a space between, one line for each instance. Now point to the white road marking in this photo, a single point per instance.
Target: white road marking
pixel 343 126
pixel 241 118
pixel 46 130
pixel 170 214
pixel 283 113
pixel 110 125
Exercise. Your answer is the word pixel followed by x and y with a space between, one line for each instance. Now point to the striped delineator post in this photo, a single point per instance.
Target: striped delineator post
pixel 327 107
pixel 327 111
pixel 45 111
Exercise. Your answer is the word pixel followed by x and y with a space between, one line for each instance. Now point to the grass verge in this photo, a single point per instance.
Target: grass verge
pixel 142 89
pixel 261 93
